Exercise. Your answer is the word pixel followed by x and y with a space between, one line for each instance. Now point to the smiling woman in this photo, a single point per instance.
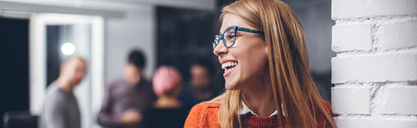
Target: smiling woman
pixel 267 75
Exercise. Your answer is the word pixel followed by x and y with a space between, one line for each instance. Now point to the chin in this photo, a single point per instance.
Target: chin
pixel 76 83
pixel 231 85
pixel 233 82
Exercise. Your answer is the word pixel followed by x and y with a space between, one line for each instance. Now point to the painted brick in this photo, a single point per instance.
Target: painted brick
pixel 355 100
pixel 352 37
pixel 398 35
pixel 400 100
pixel 375 68
pixel 368 8
pixel 367 122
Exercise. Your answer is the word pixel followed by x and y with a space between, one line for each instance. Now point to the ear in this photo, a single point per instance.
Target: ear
pixel 266 49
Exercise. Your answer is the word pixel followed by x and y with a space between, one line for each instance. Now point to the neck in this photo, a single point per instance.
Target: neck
pixel 133 82
pixel 65 85
pixel 260 98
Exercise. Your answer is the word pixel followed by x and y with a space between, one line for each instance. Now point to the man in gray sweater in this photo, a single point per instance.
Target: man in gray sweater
pixel 60 108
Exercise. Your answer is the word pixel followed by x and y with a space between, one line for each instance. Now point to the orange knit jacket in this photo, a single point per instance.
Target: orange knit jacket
pixel 205 115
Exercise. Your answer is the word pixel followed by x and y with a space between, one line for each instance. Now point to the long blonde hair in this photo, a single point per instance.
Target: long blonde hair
pixel 292 85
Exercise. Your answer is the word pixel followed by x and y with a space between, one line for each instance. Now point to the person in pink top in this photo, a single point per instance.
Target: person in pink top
pixel 167 83
pixel 167 111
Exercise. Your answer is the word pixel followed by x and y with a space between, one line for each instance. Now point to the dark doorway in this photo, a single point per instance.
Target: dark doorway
pixel 183 37
pixel 53 61
pixel 14 66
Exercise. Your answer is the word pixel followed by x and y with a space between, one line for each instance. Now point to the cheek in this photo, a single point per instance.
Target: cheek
pixel 81 74
pixel 135 74
pixel 254 65
pixel 72 73
pixel 130 72
pixel 253 60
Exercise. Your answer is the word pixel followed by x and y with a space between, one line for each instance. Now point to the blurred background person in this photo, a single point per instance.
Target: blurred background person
pixel 125 98
pixel 60 106
pixel 201 83
pixel 167 111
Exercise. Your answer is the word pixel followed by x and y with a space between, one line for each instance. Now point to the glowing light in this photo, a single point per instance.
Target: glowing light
pixel 67 48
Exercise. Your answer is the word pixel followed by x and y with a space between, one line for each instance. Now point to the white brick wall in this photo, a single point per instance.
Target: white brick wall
pixel 381 67
pixel 400 100
pixel 355 122
pixel 372 8
pixel 398 35
pixel 375 70
pixel 352 37
pixel 348 99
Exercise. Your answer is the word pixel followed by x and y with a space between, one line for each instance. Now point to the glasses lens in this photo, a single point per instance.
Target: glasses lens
pixel 216 40
pixel 229 37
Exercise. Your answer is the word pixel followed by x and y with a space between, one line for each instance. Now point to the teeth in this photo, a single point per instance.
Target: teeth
pixel 226 70
pixel 228 64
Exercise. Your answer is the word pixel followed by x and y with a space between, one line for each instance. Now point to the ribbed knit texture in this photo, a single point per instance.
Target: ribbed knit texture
pixel 205 115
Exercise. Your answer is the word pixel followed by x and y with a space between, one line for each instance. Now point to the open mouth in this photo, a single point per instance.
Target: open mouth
pixel 228 66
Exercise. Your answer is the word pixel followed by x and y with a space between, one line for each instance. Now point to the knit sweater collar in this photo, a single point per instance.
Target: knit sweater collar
pixel 245 109
pixel 249 120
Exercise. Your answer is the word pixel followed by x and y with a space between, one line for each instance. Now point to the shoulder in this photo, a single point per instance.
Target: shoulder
pixel 52 88
pixel 321 119
pixel 207 105
pixel 54 92
pixel 204 109
pixel 203 115
pixel 55 99
pixel 327 105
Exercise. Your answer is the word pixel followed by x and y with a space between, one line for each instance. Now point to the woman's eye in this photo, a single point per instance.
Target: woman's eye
pixel 230 36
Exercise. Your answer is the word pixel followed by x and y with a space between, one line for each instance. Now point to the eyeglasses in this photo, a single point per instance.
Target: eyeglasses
pixel 229 36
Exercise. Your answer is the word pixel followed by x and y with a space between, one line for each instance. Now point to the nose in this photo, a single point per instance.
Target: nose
pixel 220 49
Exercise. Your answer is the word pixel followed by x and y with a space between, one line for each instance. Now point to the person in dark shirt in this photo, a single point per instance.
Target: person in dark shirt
pixel 201 83
pixel 126 98
pixel 167 111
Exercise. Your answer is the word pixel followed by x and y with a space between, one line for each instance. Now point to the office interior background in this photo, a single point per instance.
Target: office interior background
pixel 38 35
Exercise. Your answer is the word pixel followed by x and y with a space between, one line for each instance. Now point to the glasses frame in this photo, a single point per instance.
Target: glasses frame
pixel 217 38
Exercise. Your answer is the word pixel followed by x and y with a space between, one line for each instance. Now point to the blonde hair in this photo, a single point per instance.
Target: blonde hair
pixel 292 85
